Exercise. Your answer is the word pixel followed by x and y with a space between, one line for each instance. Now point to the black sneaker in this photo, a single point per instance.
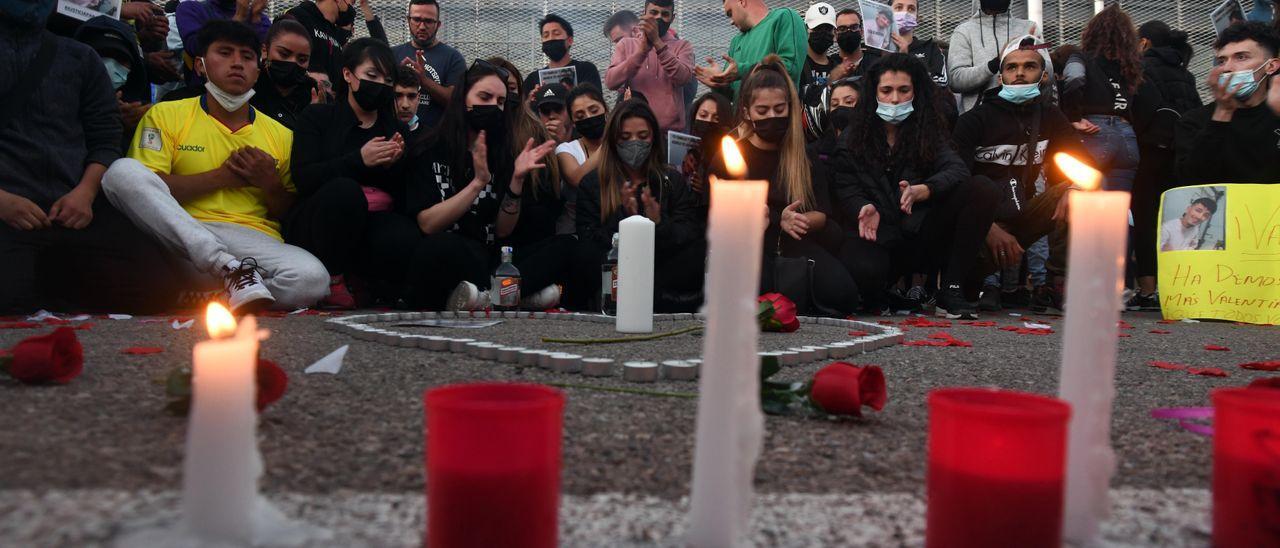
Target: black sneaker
pixel 1018 298
pixel 953 306
pixel 1143 302
pixel 1047 300
pixel 989 300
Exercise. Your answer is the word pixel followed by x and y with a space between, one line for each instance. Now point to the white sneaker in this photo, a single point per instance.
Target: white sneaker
pixel 467 297
pixel 245 288
pixel 549 297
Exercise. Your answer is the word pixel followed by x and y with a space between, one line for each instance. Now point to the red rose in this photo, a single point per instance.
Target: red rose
pixel 1268 382
pixel 272 382
pixel 56 357
pixel 843 388
pixel 777 313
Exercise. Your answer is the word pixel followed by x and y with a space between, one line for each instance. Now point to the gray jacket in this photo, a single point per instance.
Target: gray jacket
pixel 975 43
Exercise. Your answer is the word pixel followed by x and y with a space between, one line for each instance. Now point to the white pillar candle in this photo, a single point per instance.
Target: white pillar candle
pixel 1098 234
pixel 730 426
pixel 635 275
pixel 222 466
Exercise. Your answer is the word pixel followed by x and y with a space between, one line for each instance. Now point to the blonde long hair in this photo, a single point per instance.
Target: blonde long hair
pixel 793 162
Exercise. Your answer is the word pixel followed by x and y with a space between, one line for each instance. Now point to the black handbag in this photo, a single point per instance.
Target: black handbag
pixel 793 278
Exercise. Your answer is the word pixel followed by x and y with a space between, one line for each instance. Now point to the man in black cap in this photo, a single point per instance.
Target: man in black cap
pixel 116 43
pixel 549 103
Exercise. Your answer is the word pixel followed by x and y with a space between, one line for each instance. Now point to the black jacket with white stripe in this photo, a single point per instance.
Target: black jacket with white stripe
pixel 993 140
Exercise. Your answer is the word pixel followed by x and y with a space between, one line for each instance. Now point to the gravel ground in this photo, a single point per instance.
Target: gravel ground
pixel 1141 517
pixel 361 430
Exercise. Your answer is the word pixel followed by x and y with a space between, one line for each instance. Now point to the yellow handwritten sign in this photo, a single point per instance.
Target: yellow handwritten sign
pixel 1219 253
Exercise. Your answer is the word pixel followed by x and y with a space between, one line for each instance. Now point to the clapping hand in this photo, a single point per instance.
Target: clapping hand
pixel 381 151
pixel 530 159
pixel 713 77
pixel 480 160
pixel 911 194
pixel 652 209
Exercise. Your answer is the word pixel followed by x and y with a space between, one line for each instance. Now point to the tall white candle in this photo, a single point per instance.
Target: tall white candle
pixel 635 275
pixel 730 425
pixel 222 466
pixel 1098 234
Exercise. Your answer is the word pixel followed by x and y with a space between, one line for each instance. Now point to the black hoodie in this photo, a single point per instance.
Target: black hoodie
pixel 992 140
pixel 137 87
pixel 326 39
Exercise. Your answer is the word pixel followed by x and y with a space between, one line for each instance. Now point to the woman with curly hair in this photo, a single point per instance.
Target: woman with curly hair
pixel 905 195
pixel 1099 92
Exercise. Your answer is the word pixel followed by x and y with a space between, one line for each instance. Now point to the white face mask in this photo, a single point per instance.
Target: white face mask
pixel 228 101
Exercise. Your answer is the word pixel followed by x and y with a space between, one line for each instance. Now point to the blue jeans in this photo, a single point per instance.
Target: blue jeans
pixel 1114 150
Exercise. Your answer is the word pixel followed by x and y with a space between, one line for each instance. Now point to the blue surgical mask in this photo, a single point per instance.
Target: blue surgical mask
pixel 1244 78
pixel 1019 93
pixel 894 114
pixel 118 72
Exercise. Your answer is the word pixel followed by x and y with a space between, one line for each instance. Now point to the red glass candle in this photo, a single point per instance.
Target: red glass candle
pixel 996 465
pixel 493 465
pixel 1246 467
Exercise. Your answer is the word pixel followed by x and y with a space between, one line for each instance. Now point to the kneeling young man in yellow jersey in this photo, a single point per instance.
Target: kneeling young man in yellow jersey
pixel 209 177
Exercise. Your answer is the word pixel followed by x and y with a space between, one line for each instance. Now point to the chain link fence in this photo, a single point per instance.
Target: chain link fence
pixel 509 28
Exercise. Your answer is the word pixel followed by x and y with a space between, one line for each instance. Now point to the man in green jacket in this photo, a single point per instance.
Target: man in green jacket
pixel 763 32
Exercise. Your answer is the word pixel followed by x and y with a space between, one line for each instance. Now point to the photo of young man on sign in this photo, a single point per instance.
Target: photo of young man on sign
pixel 1189 220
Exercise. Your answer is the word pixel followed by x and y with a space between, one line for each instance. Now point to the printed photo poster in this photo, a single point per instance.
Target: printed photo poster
pixel 877 25
pixel 1219 253
pixel 564 75
pixel 85 10
pixel 683 148
pixel 1228 13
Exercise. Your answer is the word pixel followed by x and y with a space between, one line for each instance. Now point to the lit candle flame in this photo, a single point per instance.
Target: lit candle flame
pixel 1080 173
pixel 219 321
pixel 733 162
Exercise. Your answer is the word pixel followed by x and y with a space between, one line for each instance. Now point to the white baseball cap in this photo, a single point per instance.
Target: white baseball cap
pixel 820 13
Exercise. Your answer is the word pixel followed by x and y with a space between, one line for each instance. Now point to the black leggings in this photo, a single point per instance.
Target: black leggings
pixel 675 271
pixel 108 266
pixel 329 223
pixel 1155 176
pixel 951 235
pixel 834 289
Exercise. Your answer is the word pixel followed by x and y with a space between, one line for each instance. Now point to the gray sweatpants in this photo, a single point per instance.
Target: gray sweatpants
pixel 294 277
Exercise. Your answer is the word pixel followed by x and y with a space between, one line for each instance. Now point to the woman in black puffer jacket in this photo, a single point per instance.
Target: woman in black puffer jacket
pixel 1166 54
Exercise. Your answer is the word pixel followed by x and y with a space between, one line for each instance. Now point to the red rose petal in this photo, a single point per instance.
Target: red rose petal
pixel 858 333
pixel 1123 335
pixel 1272 365
pixel 1216 348
pixel 1124 325
pixel 1027 330
pixel 1267 382
pixel 1166 322
pixel 142 350
pixel 1207 371
pixel 1159 332
pixel 917 321
pixel 272 383
pixel 979 324
pixel 1169 365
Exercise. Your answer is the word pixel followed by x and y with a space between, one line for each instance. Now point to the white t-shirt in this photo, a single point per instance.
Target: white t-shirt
pixel 567 223
pixel 1175 237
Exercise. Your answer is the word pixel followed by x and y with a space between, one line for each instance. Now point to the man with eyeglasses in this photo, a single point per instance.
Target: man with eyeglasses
pixel 439 67
pixel 854 59
pixel 655 63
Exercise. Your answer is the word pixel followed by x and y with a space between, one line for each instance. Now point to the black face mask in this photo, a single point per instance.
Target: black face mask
pixel 663 27
pixel 840 118
pixel 771 130
pixel 996 6
pixel 288 73
pixel 706 129
pixel 850 42
pixel 591 128
pixel 489 118
pixel 555 49
pixel 346 17
pixel 820 41
pixel 373 96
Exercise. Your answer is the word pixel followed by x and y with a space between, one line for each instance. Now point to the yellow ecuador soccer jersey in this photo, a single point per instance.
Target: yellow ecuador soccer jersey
pixel 181 138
